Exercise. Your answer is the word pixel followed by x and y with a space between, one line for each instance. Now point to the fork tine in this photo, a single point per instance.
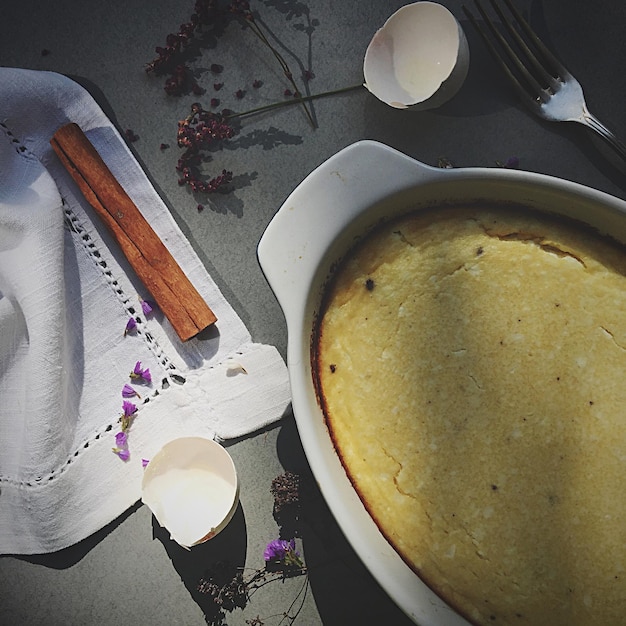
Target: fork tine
pixel 570 105
pixel 532 88
pixel 559 70
pixel 546 78
pixel 539 84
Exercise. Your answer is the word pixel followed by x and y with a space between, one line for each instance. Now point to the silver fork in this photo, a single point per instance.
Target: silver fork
pixel 545 86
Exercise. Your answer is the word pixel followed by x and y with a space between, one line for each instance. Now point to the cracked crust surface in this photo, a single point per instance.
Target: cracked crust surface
pixel 471 364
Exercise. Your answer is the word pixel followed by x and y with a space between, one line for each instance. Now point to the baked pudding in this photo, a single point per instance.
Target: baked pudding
pixel 471 366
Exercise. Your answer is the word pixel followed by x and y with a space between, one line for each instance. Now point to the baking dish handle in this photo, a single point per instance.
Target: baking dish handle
pixel 322 205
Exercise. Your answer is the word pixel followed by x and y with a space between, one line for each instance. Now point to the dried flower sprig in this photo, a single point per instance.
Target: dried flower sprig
pixel 121 438
pixel 230 591
pixel 180 80
pixel 202 129
pixel 212 13
pixel 129 410
pixel 287 498
pixel 196 133
pixel 230 588
pixel 199 131
pixel 140 374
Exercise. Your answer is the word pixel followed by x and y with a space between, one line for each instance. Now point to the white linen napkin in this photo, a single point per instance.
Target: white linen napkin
pixel 66 294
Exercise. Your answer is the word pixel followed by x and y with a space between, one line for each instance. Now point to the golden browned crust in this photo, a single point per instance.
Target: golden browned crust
pixel 472 368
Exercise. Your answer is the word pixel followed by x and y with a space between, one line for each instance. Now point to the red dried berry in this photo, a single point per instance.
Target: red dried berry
pixel 217 86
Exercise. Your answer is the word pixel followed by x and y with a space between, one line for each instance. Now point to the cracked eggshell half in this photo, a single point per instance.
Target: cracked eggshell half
pixel 191 487
pixel 418 59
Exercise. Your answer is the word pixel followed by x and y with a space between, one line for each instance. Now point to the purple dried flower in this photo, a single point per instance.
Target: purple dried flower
pixel 129 392
pixel 129 408
pixel 123 453
pixel 283 552
pixel 146 307
pixel 144 462
pixel 511 163
pixel 121 443
pixel 131 324
pixel 139 373
pixel 276 549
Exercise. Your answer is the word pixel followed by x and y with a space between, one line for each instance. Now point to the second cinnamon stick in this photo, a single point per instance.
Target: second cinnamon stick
pixel 155 266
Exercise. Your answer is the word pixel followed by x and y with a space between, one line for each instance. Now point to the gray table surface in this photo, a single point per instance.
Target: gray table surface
pixel 130 572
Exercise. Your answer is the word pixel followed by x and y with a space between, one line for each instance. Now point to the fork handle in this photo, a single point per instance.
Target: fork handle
pixel 591 121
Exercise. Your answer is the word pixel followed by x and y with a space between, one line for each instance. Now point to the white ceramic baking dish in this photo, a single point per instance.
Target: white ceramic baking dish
pixel 317 224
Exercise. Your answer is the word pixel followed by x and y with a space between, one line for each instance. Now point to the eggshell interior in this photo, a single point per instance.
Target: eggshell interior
pixel 413 54
pixel 191 487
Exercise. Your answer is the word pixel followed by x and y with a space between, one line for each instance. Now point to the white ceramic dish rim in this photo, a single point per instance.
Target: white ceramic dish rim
pixel 317 223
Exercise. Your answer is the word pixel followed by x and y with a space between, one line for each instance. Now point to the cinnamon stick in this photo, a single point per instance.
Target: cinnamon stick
pixel 149 257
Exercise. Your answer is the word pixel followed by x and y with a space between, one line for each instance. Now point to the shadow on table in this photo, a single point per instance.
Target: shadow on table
pixel 68 557
pixel 227 551
pixel 344 590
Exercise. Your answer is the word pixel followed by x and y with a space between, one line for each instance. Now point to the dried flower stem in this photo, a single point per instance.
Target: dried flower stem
pixel 302 595
pixel 287 616
pixel 258 31
pixel 296 100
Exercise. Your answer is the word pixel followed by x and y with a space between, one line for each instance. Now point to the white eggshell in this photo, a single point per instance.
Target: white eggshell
pixel 191 487
pixel 418 59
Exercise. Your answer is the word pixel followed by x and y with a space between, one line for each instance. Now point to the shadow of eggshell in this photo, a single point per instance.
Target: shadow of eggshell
pixel 418 59
pixel 191 487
